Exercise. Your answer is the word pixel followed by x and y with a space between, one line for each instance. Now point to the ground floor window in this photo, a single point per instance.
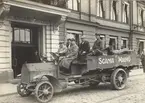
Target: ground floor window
pixel 124 43
pixel 74 34
pixel 113 40
pixel 141 45
pixel 102 36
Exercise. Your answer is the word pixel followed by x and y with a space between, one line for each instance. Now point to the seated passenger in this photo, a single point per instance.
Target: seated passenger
pixel 84 49
pixel 70 56
pixel 110 49
pixel 60 53
pixel 97 47
pixel 62 49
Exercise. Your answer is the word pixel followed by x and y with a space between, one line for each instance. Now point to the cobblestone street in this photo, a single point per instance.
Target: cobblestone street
pixel 133 93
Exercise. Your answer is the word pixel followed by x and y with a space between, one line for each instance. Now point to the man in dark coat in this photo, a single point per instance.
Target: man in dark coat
pixel 98 46
pixel 84 49
pixel 143 60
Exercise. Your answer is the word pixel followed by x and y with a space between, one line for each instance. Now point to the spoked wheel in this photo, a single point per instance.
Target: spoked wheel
pixel 119 79
pixel 44 91
pixel 21 89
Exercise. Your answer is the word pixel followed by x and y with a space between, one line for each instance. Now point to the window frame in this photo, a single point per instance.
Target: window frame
pixel 77 3
pixel 116 41
pixel 19 41
pixel 114 11
pixel 127 42
pixel 125 12
pixel 100 9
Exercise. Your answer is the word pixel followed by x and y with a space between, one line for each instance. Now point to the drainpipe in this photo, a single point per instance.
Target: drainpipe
pixel 131 26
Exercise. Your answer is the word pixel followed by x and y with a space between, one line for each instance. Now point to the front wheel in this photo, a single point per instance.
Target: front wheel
pixel 119 79
pixel 21 89
pixel 44 91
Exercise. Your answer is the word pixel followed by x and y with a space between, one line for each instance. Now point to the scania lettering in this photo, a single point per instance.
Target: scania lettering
pixel 106 60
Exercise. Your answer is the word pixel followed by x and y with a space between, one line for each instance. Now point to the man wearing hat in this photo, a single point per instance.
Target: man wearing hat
pixel 84 48
pixel 98 46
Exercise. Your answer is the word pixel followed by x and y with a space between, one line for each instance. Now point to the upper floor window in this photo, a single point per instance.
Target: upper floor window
pixel 100 8
pixel 74 5
pixel 114 10
pixel 125 13
pixel 141 16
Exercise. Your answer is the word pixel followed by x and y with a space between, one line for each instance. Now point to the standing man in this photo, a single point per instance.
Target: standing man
pixel 84 48
pixel 98 46
pixel 143 60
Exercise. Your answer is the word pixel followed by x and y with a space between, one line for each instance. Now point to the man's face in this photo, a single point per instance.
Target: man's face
pixel 69 41
pixel 97 37
pixel 83 39
pixel 72 42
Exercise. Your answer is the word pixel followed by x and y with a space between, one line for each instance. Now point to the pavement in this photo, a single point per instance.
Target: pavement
pixel 11 87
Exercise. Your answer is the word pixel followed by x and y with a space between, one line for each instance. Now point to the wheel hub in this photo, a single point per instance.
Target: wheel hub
pixel 120 78
pixel 45 91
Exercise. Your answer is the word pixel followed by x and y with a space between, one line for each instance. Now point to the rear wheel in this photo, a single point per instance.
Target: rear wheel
pixel 119 79
pixel 44 91
pixel 21 89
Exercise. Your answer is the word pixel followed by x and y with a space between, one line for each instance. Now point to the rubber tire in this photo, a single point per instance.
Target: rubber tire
pixel 36 91
pixel 113 76
pixel 21 93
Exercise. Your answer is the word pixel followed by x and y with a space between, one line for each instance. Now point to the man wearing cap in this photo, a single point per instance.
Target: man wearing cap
pixel 62 49
pixel 98 46
pixel 84 48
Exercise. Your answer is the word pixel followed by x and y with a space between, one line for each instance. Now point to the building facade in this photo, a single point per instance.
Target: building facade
pixel 27 26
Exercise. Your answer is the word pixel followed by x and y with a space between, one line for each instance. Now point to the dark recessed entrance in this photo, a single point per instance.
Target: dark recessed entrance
pixel 24 44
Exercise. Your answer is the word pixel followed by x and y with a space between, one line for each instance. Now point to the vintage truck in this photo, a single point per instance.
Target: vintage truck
pixel 44 79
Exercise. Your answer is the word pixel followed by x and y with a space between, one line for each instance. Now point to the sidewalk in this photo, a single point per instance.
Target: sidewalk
pixel 11 88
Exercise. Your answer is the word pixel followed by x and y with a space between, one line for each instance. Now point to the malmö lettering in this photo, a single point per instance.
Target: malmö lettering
pixel 106 60
pixel 124 59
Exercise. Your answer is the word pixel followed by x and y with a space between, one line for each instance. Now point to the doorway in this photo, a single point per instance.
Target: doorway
pixel 24 44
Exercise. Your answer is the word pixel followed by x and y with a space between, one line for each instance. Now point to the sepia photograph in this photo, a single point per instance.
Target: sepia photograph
pixel 72 51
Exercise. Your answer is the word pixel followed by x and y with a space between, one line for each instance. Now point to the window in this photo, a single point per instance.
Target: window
pixel 74 34
pixel 141 46
pixel 113 40
pixel 103 40
pixel 124 43
pixel 74 5
pixel 141 16
pixel 114 10
pixel 125 12
pixel 100 9
pixel 21 35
